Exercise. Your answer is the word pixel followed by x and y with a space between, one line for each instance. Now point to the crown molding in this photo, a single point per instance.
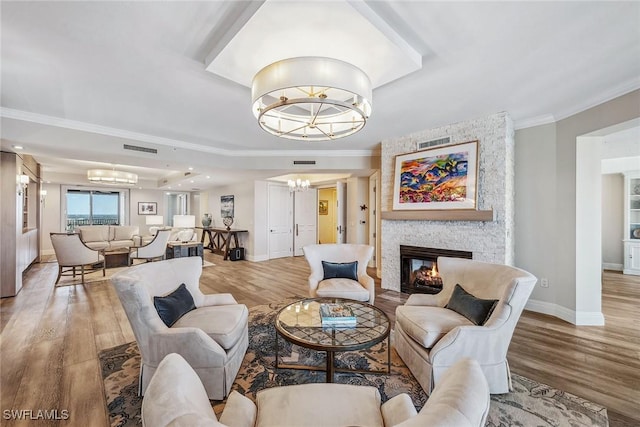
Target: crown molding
pixel 152 139
pixel 620 90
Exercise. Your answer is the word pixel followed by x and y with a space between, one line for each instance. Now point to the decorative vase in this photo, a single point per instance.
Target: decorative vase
pixel 206 220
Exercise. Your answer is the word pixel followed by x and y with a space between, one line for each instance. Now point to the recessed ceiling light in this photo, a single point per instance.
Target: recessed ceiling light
pixel 18 147
pixel 190 168
pixel 191 181
pixel 179 185
pixel 168 194
pixel 208 177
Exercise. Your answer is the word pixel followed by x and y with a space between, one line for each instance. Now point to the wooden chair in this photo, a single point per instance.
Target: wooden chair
pixel 72 253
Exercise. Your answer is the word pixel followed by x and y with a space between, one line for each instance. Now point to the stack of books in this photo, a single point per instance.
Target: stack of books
pixel 337 316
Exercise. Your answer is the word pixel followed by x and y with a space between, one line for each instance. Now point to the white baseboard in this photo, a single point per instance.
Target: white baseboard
pixel 257 258
pixel 47 252
pixel 581 318
pixel 612 266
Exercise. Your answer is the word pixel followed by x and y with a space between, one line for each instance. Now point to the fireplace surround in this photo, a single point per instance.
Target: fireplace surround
pixel 418 273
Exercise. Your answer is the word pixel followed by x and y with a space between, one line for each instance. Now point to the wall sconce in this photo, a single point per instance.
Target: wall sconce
pixel 22 181
pixel 43 195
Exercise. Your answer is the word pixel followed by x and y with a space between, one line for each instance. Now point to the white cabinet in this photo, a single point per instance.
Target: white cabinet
pixel 632 223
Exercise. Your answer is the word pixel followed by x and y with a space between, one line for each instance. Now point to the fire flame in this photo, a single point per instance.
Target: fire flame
pixel 434 271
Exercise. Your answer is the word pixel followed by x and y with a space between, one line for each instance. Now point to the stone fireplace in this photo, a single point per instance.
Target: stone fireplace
pixel 486 240
pixel 419 274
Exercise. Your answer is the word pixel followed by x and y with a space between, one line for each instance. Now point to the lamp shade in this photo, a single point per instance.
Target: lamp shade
pixel 154 220
pixel 311 98
pixel 184 221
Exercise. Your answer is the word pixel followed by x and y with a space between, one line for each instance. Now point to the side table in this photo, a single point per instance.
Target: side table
pixel 184 249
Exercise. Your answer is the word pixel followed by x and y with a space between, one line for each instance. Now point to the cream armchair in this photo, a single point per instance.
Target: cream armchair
pixel 362 289
pixel 431 338
pixel 71 253
pixel 176 398
pixel 213 337
pixel 155 249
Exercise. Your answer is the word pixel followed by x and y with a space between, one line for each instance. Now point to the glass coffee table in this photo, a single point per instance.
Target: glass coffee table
pixel 300 323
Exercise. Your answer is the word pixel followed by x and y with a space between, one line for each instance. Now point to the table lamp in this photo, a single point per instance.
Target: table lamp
pixel 156 222
pixel 187 223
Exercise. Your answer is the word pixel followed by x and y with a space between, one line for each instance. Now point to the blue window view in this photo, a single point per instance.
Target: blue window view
pixel 92 208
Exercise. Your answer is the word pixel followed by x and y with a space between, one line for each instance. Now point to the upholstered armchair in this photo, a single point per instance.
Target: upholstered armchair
pixel 322 283
pixel 71 253
pixel 430 338
pixel 176 398
pixel 155 249
pixel 212 337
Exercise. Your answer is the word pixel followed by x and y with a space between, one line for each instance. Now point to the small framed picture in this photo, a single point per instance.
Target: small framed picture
pixel 323 207
pixel 147 208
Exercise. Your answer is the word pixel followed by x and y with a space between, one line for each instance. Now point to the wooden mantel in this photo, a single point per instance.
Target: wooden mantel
pixel 440 215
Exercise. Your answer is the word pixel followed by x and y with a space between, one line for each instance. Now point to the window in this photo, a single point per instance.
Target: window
pixel 93 207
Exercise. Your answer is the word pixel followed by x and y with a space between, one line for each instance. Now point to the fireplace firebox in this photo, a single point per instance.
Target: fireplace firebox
pixel 418 267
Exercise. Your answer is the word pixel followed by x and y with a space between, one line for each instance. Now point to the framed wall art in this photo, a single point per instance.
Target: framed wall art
pixel 226 206
pixel 147 208
pixel 437 178
pixel 323 207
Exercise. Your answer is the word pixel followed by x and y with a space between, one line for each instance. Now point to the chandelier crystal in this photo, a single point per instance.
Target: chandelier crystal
pixel 311 98
pixel 106 176
pixel 298 185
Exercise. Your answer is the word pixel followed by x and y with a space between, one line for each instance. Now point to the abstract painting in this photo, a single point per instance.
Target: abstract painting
pixel 438 178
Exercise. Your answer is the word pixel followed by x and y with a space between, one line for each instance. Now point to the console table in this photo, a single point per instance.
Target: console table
pixel 221 239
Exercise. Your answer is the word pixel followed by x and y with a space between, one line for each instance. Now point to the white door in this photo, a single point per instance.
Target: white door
pixel 341 212
pixel 305 219
pixel 280 221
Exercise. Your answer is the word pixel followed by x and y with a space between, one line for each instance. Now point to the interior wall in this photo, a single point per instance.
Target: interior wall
pixel 137 195
pixel 260 220
pixel 243 211
pixel 612 221
pixel 50 216
pixel 357 219
pixel 537 148
pixel 327 223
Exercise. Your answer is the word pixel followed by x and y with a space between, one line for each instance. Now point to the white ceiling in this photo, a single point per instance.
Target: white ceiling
pixel 79 79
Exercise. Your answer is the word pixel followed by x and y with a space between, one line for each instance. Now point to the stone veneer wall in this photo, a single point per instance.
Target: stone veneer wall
pixel 488 241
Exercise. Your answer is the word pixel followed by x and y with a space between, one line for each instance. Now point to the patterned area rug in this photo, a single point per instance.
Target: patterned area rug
pixel 530 404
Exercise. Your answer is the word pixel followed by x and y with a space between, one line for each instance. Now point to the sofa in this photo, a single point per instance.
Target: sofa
pixel 109 236
pixel 175 397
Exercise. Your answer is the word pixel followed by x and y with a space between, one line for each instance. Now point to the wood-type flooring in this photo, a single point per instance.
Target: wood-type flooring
pixel 51 337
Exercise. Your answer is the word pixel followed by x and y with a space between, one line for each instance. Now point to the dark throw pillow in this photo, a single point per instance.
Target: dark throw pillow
pixel 475 309
pixel 340 270
pixel 172 307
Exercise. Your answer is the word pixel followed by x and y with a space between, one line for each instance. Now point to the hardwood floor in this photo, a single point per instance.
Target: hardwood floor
pixel 51 337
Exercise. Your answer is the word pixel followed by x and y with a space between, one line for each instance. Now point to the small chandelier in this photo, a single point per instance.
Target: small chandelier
pixel 106 176
pixel 298 185
pixel 311 98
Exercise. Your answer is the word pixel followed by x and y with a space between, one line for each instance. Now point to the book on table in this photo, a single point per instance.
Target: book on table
pixel 336 314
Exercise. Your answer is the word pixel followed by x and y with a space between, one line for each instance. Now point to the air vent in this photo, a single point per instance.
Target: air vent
pixel 304 162
pixel 138 148
pixel 434 142
pixel 187 173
